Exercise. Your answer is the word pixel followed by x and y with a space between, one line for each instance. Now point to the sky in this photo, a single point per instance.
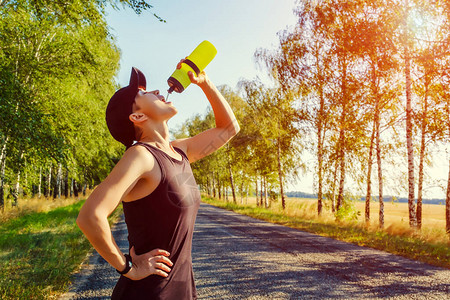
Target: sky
pixel 237 28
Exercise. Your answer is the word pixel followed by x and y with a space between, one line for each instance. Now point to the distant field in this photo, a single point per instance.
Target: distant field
pixel 433 216
pixel 395 214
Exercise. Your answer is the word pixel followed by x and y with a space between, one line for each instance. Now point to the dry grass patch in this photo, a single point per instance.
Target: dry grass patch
pixel 30 205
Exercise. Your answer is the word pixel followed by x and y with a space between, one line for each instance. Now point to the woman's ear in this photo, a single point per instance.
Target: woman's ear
pixel 138 117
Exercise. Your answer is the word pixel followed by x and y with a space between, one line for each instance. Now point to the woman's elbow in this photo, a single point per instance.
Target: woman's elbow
pixel 82 221
pixel 87 220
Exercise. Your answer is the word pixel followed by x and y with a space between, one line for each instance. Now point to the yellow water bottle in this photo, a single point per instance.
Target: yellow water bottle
pixel 195 62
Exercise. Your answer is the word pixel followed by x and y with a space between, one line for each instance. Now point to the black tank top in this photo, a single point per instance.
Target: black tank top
pixel 165 220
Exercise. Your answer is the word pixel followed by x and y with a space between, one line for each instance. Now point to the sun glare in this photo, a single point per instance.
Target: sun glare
pixel 423 25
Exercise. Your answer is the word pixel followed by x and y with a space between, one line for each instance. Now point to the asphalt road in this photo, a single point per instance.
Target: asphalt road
pixel 238 257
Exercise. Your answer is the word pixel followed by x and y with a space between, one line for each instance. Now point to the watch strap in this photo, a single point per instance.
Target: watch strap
pixel 128 265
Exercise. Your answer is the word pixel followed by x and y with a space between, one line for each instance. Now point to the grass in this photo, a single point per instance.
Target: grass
pixel 30 205
pixel 431 245
pixel 39 251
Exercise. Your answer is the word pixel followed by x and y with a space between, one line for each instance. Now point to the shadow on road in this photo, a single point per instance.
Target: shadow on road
pixel 237 257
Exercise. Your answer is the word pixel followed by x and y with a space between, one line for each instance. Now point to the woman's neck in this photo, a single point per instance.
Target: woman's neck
pixel 156 135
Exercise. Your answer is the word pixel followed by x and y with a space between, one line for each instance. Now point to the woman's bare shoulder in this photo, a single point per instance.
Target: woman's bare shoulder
pixel 138 156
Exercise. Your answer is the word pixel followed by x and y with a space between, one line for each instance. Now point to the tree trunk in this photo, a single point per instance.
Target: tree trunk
pixel 420 184
pixel 342 130
pixel 25 179
pixel 3 151
pixel 280 176
pixel 262 191
pixel 380 171
pixel 242 192
pixel 214 185
pixel 58 182
pixel 447 199
pixel 225 192
pixel 409 129
pixel 210 186
pixel 2 175
pixel 49 182
pixel 266 202
pixel 320 175
pixel 75 188
pixel 447 203
pixel 340 199
pixel 2 185
pixel 422 155
pixel 256 191
pixel 232 183
pixel 233 192
pixel 320 156
pixel 333 189
pixel 66 184
pixel 320 134
pixel 17 185
pixel 40 183
pixel 16 191
pixel 369 176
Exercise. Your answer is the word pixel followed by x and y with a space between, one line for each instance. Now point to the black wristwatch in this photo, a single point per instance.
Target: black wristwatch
pixel 128 265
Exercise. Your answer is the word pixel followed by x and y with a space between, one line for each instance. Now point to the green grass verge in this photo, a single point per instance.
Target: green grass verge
pixel 40 251
pixel 437 254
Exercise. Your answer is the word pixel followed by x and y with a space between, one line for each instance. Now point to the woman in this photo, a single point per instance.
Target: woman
pixel 155 184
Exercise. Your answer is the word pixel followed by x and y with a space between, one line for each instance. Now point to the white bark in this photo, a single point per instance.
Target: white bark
pixel 409 130
pixel 40 182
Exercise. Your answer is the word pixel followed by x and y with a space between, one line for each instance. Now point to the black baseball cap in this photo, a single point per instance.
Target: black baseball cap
pixel 120 107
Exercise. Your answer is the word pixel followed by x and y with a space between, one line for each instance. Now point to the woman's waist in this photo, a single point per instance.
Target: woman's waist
pixel 177 246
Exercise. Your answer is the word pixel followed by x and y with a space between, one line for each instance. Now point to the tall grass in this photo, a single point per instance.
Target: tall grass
pixel 29 205
pixel 39 251
pixel 431 245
